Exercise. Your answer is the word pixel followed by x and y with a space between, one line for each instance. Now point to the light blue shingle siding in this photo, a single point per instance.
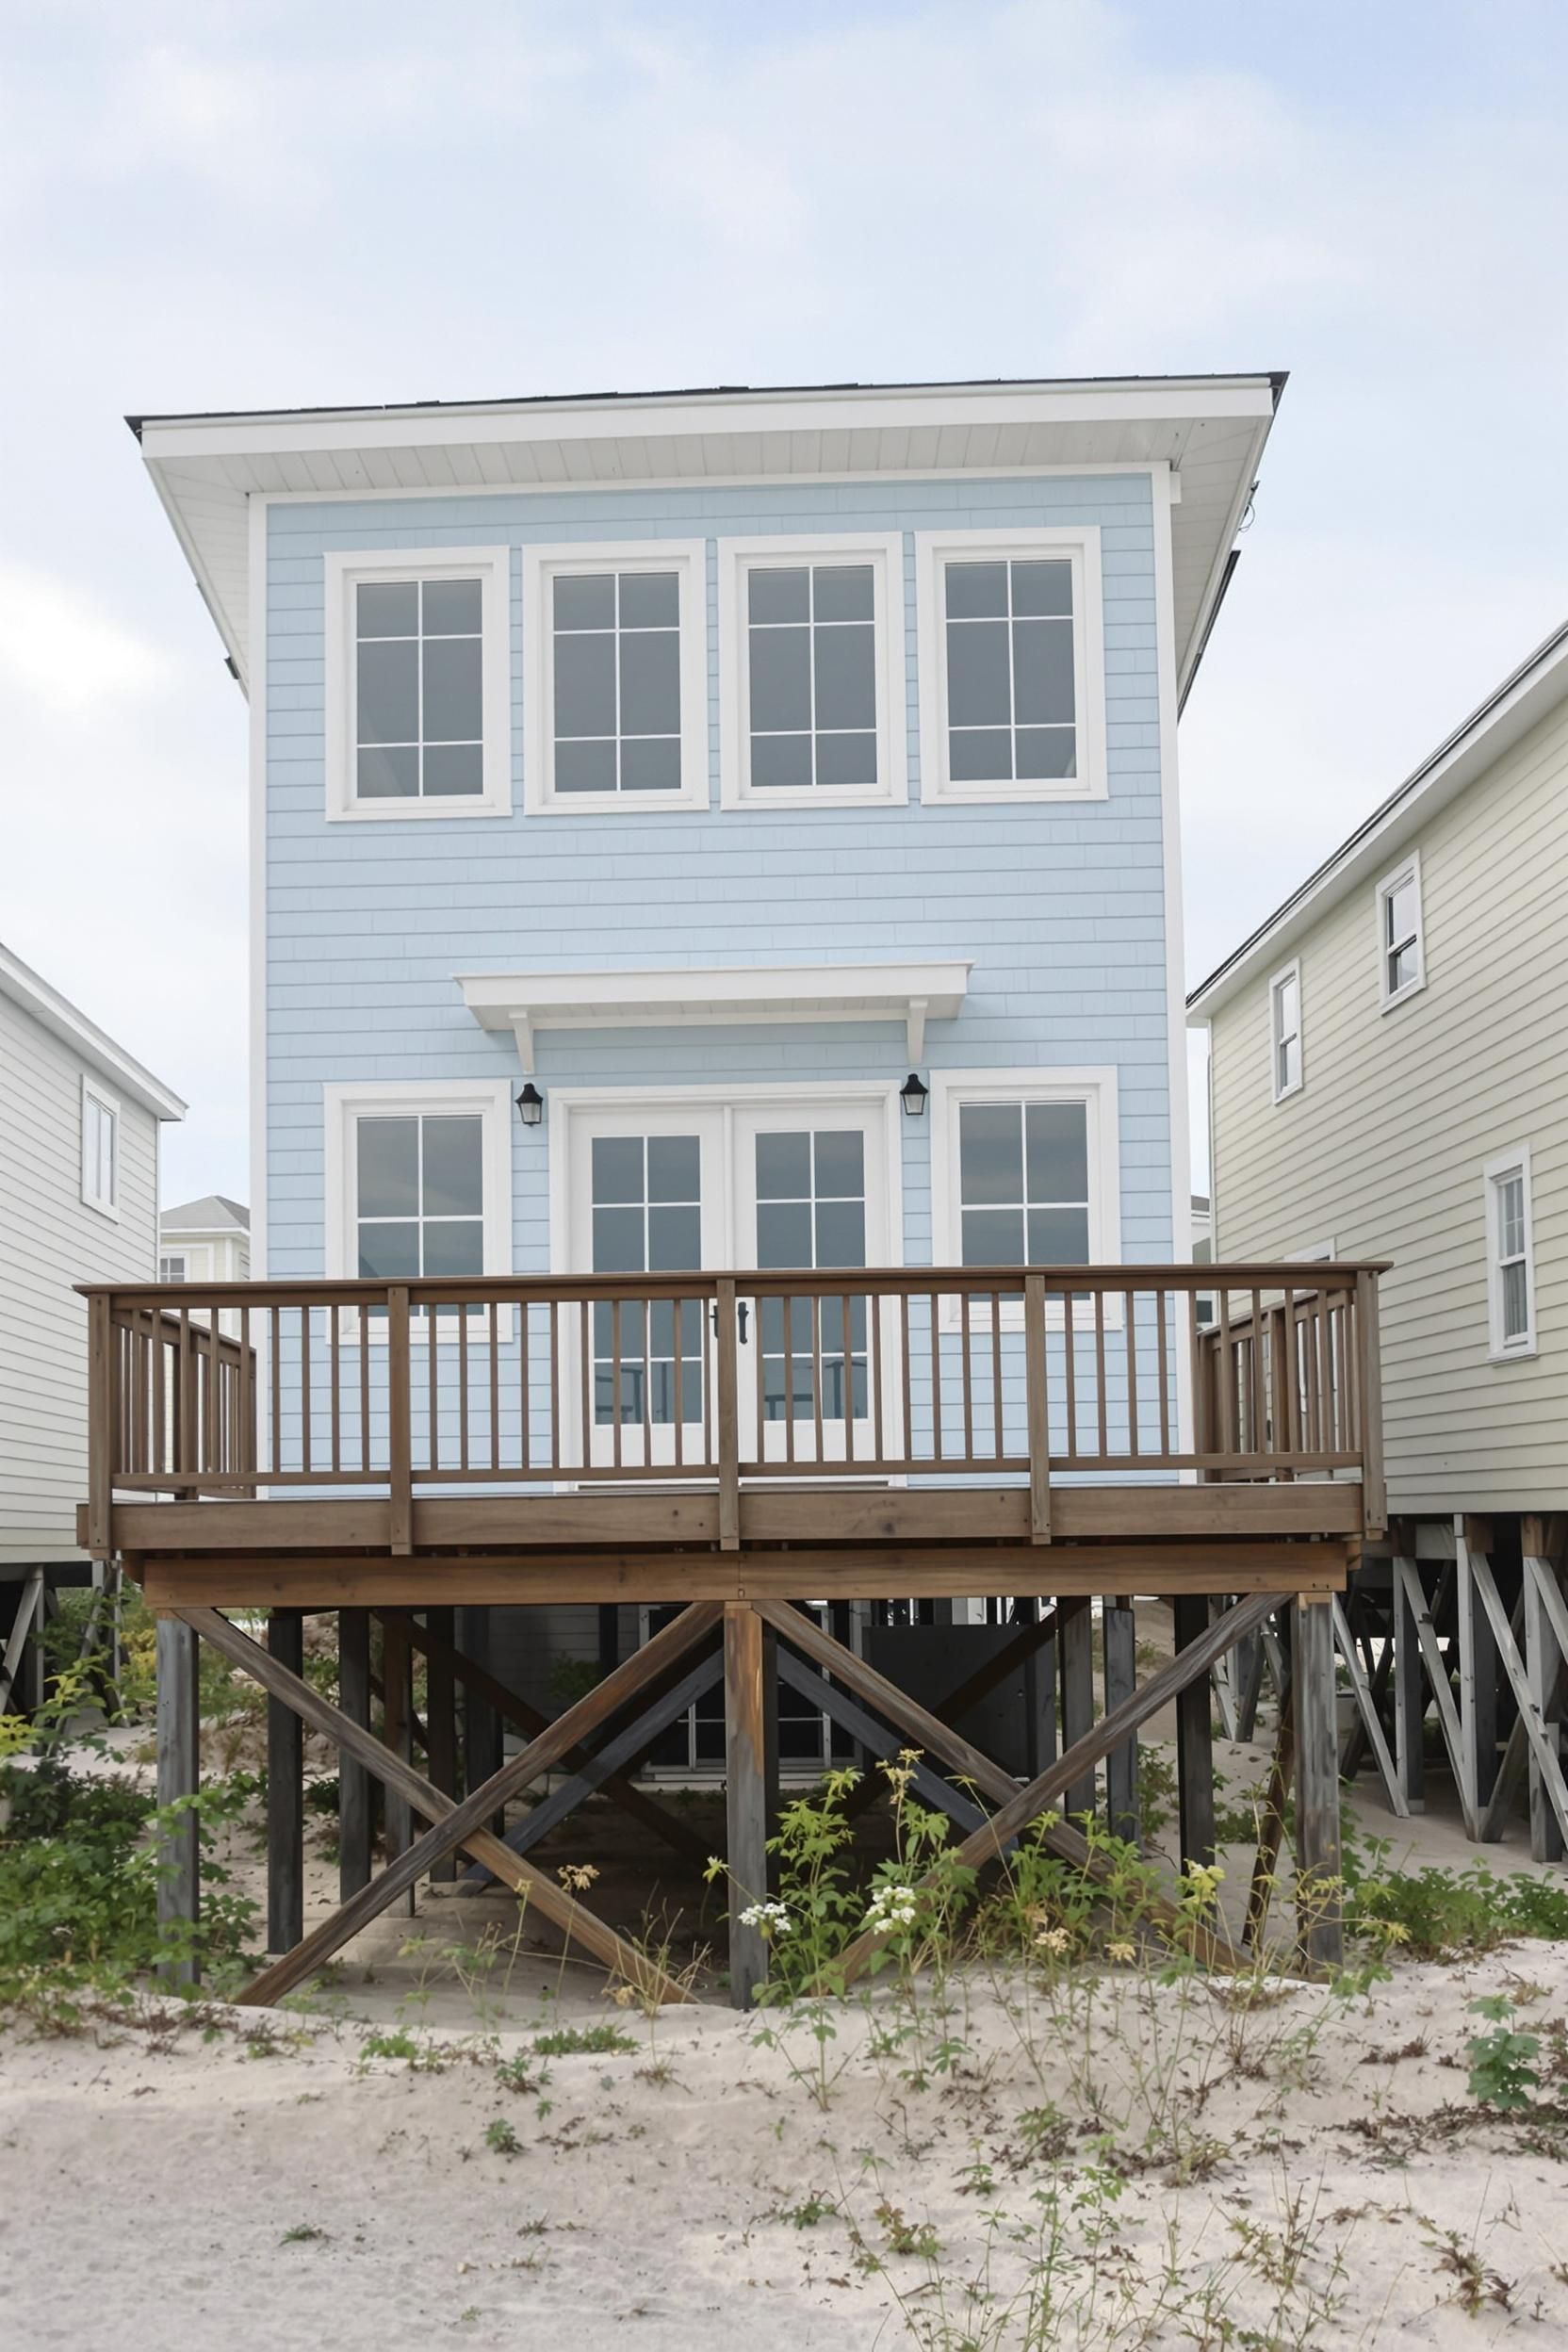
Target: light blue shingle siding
pixel 1061 906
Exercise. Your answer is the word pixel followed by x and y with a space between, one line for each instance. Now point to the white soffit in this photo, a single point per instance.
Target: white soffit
pixel 528 1001
pixel 1209 431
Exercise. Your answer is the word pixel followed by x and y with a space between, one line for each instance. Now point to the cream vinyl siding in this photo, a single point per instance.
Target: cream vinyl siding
pixel 49 1240
pixel 1386 1143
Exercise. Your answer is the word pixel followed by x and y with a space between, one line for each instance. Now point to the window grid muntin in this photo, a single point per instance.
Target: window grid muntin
pixel 618 575
pixel 174 1266
pixel 420 744
pixel 418 1216
pixel 1008 563
pixel 1023 1205
pixel 813 732
pixel 1511 1246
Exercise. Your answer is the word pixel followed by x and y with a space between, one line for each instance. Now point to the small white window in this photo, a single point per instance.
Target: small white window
pixel 1401 949
pixel 615 688
pixel 1284 1022
pixel 419 1180
pixel 100 1149
pixel 418 692
pixel 1510 1255
pixel 1012 667
pixel 173 1267
pixel 811 672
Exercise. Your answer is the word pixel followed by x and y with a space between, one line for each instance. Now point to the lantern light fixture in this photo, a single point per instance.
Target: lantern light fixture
pixel 912 1094
pixel 531 1104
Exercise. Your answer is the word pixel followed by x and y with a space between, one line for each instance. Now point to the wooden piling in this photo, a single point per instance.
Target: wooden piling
pixel 285 1823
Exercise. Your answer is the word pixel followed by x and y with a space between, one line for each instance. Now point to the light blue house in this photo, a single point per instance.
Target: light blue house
pixel 776 791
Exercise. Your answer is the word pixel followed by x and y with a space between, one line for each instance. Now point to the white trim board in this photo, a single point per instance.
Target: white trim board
pixel 528 1001
pixel 54 1013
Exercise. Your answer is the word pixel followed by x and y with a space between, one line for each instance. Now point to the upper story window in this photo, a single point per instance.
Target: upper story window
pixel 1402 956
pixel 173 1267
pixel 100 1149
pixel 417 696
pixel 1510 1255
pixel 1012 667
pixel 811 670
pixel 1285 1019
pixel 614 684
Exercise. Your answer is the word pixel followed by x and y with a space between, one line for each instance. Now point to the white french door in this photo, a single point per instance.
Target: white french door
pixel 702 1184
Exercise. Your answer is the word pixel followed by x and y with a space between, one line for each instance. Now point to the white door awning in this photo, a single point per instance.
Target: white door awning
pixel 528 1001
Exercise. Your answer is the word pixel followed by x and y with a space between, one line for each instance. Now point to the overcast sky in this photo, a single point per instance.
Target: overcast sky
pixel 228 207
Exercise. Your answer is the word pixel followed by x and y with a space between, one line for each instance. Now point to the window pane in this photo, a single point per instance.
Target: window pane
pixel 617 1167
pixel 976 589
pixel 388 1166
pixel 584 767
pixel 1056 1145
pixel 780 762
pixel 452 770
pixel 978 691
pixel 980 755
pixel 451 691
pixel 990 1152
pixel 675 1240
pixel 1046 751
pixel 1058 1236
pixel 451 608
pixel 1402 968
pixel 846 760
pixel 1515 1304
pixel 777 596
pixel 455 1249
pixel 784 1167
pixel 388 701
pixel 650 683
pixel 993 1236
pixel 387 608
pixel 618 1241
pixel 842 592
pixel 1511 1215
pixel 586 685
pixel 673 1169
pixel 388 1253
pixel 585 603
pixel 780 679
pixel 389 774
pixel 840 1231
pixel 783 1234
pixel 1042 588
pixel 651 763
pixel 1400 904
pixel 1290 1064
pixel 847 676
pixel 1285 1002
pixel 1042 671
pixel 454 1166
pixel 650 600
pixel 841 1164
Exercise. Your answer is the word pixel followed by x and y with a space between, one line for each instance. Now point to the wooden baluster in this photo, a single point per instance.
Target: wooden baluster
pixel 1229 1407
pixel 906 1384
pixel 874 1305
pixel 1070 1343
pixel 188 1397
pixel 969 1400
pixel 1165 1303
pixel 997 1428
pixel 588 1377
pixel 849 1381
pixel 816 1374
pixel 678 1342
pixel 400 1417
pixel 275 1382
pixel 493 1341
pixel 1260 1372
pixel 647 1382
pixel 335 1362
pixel 727 1412
pixel 524 1390
pixel 789 1305
pixel 362 1333
pixel 1130 1342
pixel 247 1395
pixel 615 1381
pixel 936 1433
pixel 101 1422
pixel 1037 1407
pixel 134 1343
pixel 1100 1370
pixel 304 1389
pixel 159 1462
pixel 433 1381
pixel 463 1462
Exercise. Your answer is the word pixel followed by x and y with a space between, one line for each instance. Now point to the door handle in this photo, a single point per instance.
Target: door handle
pixel 742 1312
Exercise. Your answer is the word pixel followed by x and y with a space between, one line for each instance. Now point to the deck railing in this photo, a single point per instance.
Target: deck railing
pixel 992 1373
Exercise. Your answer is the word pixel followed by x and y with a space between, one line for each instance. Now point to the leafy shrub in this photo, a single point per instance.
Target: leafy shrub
pixel 593 2041
pixel 1436 1913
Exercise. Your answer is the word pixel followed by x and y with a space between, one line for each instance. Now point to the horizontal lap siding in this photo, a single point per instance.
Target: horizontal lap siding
pixel 1383 1148
pixel 53 1240
pixel 1062 907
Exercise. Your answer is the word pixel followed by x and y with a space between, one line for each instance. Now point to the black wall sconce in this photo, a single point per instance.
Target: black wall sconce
pixel 912 1094
pixel 531 1105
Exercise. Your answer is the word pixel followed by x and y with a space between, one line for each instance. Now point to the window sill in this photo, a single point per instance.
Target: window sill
pixel 102 1208
pixel 619 805
pixel 940 795
pixel 417 811
pixel 812 796
pixel 1514 1355
pixel 1289 1093
pixel 1403 995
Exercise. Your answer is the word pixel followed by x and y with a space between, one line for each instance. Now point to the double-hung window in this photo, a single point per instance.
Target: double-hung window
pixel 1284 1024
pixel 1024 1167
pixel 417 695
pixel 811 672
pixel 1510 1255
pixel 419 1180
pixel 1012 667
pixel 614 679
pixel 173 1267
pixel 1401 946
pixel 100 1149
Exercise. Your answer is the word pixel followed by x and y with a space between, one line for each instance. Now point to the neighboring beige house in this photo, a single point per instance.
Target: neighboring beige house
pixel 204 1241
pixel 1389 1078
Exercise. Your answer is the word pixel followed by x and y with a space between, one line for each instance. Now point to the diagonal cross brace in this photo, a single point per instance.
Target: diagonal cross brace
pixel 863 1726
pixel 456 1824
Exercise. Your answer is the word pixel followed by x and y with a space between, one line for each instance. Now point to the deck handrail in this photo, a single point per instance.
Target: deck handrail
pixel 1026 1373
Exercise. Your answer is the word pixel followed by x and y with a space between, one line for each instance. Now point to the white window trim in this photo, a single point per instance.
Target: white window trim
pixel 343 1104
pixel 1098 1089
pixel 1504 1164
pixel 1080 543
pixel 1286 972
pixel 345 569
pixel 94 1093
pixel 688 560
pixel 738 558
pixel 1408 869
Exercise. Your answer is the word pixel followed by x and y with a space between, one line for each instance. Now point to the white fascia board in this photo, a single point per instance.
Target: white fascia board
pixel 1467 755
pixel 527 1001
pixel 62 1019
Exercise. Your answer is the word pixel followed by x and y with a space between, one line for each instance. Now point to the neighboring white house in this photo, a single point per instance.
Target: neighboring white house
pixel 204 1241
pixel 79 1121
pixel 1389 1078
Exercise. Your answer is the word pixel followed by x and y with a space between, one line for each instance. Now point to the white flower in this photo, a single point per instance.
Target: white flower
pixel 772 1918
pixel 891 1906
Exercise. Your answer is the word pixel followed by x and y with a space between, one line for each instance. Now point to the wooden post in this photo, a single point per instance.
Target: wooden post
pixel 286 1819
pixel 746 1776
pixel 728 1417
pixel 179 1774
pixel 1194 1738
pixel 102 1423
pixel 441 1717
pixel 1039 1697
pixel 1479 1676
pixel 609 1636
pixel 482 1737
pixel 1410 1690
pixel 397 1671
pixel 1374 1485
pixel 1120 1635
pixel 399 1418
pixel 354 1837
pixel 1315 1710
pixel 1075 1642
pixel 1546 1662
